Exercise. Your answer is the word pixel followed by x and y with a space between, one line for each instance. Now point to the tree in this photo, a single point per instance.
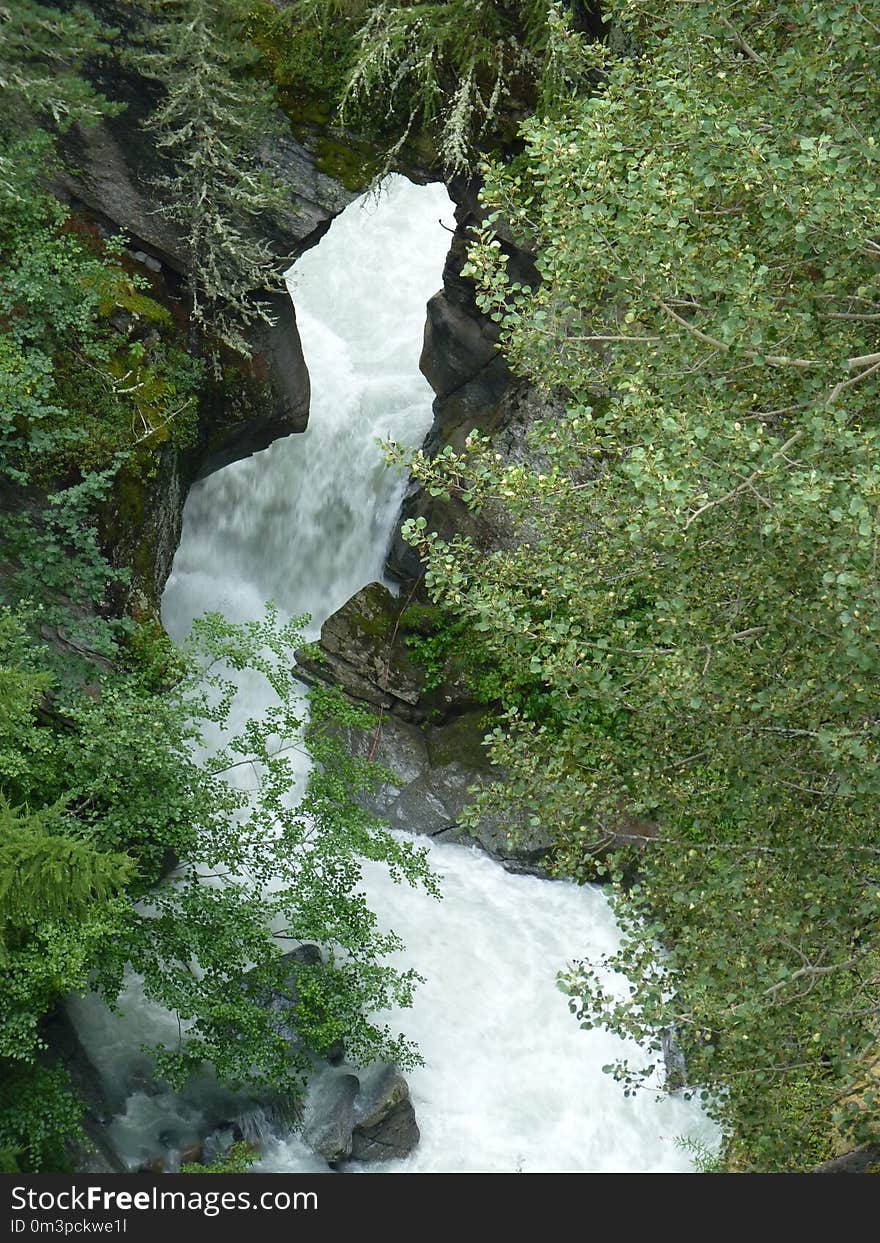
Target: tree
pixel 461 70
pixel 260 869
pixel 42 53
pixel 116 797
pixel 209 123
pixel 695 595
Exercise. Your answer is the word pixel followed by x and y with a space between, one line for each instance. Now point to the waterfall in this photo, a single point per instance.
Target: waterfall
pixel 509 1081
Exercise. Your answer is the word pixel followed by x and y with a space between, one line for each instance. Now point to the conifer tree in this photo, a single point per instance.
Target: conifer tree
pixel 48 876
pixel 42 51
pixel 208 125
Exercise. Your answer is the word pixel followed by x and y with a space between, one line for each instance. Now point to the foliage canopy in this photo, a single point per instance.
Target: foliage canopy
pixel 696 591
pixel 462 71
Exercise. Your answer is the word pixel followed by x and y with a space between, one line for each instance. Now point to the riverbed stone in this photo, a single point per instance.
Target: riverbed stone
pixel 429 798
pixel 365 1115
pixel 329 1116
pixel 385 1121
pixel 282 1000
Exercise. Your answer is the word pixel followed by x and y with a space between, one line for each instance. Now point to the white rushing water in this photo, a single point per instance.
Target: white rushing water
pixel 510 1082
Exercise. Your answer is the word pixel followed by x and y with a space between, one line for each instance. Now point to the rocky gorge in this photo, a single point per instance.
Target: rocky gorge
pixel 107 182
pixel 430 741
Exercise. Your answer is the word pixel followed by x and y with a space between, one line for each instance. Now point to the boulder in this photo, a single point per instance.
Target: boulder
pixel 385 1121
pixel 436 769
pixel 279 369
pixel 281 1000
pixel 329 1117
pixel 364 654
pixel 364 1115
pixel 864 1160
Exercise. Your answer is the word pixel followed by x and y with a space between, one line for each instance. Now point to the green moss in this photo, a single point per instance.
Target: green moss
pixel 130 499
pixel 376 615
pixel 144 307
pixel 354 167
pixel 423 619
pixel 461 741
pixel 306 115
pixel 124 528
pixel 372 626
pixel 308 59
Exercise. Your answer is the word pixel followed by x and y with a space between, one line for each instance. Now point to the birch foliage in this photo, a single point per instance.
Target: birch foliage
pixel 696 592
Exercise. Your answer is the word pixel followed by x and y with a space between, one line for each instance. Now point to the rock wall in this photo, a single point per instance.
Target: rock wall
pixel 474 388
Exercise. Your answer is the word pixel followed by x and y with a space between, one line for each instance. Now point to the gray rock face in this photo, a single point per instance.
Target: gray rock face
pixel 460 356
pixel 860 1161
pixel 456 349
pixel 364 655
pixel 674 1063
pixel 110 168
pixel 364 1114
pixel 438 769
pixel 279 358
pixel 93 1153
pixel 474 390
pixel 108 176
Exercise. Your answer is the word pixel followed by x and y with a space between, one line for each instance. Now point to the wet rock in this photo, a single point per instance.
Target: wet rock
pixel 218 1143
pixel 329 1118
pixel 364 654
pixel 474 387
pixel 282 1000
pixel 456 346
pixel 437 767
pixel 674 1063
pixel 437 770
pixel 284 404
pixel 364 1115
pixel 517 847
pixel 112 166
pixel 112 171
pixel 94 1152
pixel 397 745
pixel 385 1121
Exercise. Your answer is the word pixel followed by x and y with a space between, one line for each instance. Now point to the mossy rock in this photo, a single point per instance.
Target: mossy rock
pixel 363 653
pixel 460 741
pixel 354 166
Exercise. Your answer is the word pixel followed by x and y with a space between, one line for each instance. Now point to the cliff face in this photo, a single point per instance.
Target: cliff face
pixel 474 387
